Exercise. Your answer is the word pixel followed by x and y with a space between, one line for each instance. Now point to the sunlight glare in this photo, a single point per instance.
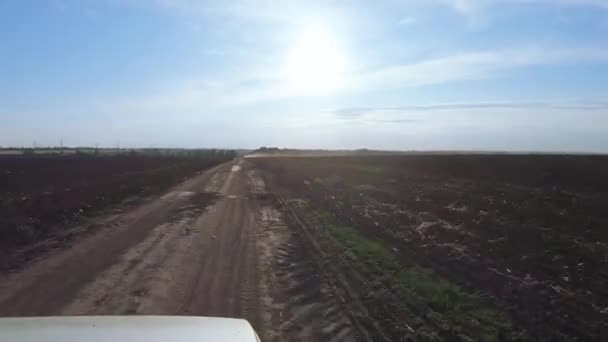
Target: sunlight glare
pixel 315 63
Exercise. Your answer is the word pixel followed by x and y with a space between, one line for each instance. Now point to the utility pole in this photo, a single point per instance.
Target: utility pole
pixel 60 145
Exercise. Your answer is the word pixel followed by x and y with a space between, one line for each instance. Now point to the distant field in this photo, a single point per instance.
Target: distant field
pixel 468 247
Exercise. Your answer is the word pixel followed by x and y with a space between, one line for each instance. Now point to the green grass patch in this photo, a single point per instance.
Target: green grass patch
pixel 457 312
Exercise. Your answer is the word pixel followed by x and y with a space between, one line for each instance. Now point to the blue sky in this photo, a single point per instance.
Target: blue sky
pixel 428 74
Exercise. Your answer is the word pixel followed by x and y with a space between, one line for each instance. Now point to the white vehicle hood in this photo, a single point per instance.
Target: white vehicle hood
pixel 126 328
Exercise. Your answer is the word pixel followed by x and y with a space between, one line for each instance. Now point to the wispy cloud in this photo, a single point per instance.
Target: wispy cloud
pixel 358 112
pixel 473 7
pixel 467 6
pixel 245 10
pixel 251 82
pixel 469 66
pixel 262 84
pixel 405 21
pixel 282 10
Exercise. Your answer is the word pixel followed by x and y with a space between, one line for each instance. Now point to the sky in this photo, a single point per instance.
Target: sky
pixel 512 75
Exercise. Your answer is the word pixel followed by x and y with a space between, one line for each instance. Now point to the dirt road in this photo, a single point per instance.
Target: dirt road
pixel 213 246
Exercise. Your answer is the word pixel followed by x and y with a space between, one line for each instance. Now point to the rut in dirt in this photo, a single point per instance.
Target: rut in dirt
pixel 297 303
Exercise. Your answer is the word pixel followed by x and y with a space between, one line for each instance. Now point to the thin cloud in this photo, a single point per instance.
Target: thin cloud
pixel 281 11
pixel 262 84
pixel 244 10
pixel 356 112
pixel 399 121
pixel 467 6
pixel 472 7
pixel 406 21
pixel 469 66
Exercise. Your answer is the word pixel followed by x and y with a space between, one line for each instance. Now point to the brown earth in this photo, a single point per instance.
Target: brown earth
pixel 436 248
pixel 525 232
pixel 41 195
pixel 215 245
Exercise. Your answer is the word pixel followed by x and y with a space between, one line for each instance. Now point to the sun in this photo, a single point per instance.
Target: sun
pixel 315 63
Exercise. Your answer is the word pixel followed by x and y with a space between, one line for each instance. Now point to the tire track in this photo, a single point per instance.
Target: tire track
pixel 296 300
pixel 226 282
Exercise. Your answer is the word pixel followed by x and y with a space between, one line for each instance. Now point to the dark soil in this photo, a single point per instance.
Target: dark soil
pixel 527 230
pixel 42 195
